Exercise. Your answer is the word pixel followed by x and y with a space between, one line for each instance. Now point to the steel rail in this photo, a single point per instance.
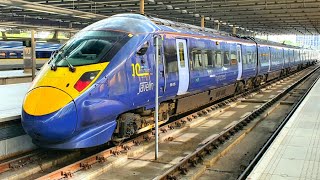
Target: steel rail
pixel 21 161
pixel 197 156
pixel 86 163
pixel 259 155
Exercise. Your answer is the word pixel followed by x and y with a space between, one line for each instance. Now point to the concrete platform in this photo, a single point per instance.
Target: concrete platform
pixel 11 100
pixel 295 153
pixel 10 64
pixel 10 109
pixel 13 73
pixel 14 76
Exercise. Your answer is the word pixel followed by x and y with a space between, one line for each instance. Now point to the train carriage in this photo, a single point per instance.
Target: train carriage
pixel 13 50
pixel 100 86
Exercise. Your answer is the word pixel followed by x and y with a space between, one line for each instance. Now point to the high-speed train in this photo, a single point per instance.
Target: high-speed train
pixel 100 85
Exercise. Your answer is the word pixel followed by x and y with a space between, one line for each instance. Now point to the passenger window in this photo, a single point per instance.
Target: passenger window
pixel 226 58
pixel 253 57
pixel 263 58
pixel 2 55
pixel 13 55
pixel 233 57
pixel 244 57
pixel 210 58
pixel 197 59
pixel 170 54
pixel 181 55
pixel 218 59
pixel 249 57
pixel 204 58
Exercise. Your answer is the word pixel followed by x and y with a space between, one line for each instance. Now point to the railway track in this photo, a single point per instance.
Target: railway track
pixel 25 165
pixel 302 91
pixel 114 155
pixel 198 156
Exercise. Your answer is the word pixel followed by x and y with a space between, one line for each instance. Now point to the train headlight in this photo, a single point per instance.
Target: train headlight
pixel 85 80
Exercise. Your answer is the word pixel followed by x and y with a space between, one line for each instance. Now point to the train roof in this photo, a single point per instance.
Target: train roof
pixel 136 23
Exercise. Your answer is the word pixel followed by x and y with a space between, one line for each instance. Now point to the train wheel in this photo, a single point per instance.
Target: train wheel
pixel 117 142
pixel 250 84
pixel 257 81
pixel 239 87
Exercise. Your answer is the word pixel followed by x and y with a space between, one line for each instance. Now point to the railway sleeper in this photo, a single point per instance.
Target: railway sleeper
pixel 67 174
pixel 163 130
pixel 172 177
pixel 209 149
pixel 101 159
pixel 137 143
pixel 85 166
pixel 193 162
pixel 183 170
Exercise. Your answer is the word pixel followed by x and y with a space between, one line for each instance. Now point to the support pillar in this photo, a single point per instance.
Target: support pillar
pixel 56 34
pixel 156 156
pixel 4 36
pixel 234 30
pixel 70 34
pixel 142 7
pixel 27 56
pixel 202 22
pixel 218 26
pixel 33 54
pixel 254 35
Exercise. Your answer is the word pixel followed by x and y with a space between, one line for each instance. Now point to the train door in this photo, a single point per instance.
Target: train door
pixel 270 63
pixel 162 68
pixel 183 66
pixel 239 58
pixel 283 58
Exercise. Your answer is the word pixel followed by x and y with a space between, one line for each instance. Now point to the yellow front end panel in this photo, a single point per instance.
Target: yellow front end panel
pixel 52 90
pixel 45 100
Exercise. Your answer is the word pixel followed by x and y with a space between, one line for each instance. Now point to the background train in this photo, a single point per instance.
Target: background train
pixel 100 85
pixel 14 50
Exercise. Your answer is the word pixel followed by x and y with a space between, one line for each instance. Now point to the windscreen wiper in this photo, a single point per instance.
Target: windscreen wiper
pixel 71 68
pixel 54 65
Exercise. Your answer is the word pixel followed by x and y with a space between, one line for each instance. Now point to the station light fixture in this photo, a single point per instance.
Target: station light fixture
pixel 37 7
pixel 184 11
pixel 46 28
pixel 169 7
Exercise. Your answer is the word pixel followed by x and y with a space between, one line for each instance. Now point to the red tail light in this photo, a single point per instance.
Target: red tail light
pixel 85 80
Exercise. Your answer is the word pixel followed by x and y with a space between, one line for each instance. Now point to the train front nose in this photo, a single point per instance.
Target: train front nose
pixel 49 114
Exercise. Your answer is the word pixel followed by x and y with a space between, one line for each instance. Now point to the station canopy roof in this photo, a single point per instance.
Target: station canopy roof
pixel 247 16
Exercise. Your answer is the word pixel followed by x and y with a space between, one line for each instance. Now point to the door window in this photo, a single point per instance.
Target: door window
pixel 181 54
pixel 234 57
pixel 226 58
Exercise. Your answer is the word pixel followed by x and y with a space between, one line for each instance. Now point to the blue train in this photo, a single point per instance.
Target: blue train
pixel 100 85
pixel 13 50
